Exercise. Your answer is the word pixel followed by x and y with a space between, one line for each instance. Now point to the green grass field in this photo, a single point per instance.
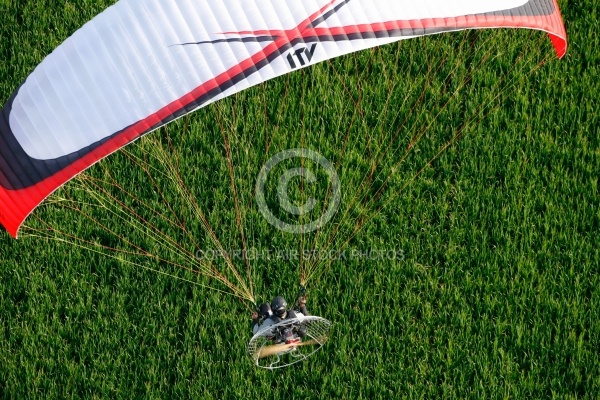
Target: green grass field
pixel 497 289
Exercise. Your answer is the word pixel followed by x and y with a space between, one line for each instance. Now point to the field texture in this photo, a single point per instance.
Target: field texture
pixel 466 242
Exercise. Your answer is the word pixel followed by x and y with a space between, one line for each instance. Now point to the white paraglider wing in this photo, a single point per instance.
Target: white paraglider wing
pixel 142 64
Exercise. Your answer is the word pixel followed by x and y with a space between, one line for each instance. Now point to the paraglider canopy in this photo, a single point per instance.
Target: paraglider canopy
pixel 140 65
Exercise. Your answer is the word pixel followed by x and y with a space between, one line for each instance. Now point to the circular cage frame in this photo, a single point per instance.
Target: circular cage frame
pixel 279 355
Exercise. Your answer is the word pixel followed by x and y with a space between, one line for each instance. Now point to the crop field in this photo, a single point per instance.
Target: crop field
pixel 462 259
